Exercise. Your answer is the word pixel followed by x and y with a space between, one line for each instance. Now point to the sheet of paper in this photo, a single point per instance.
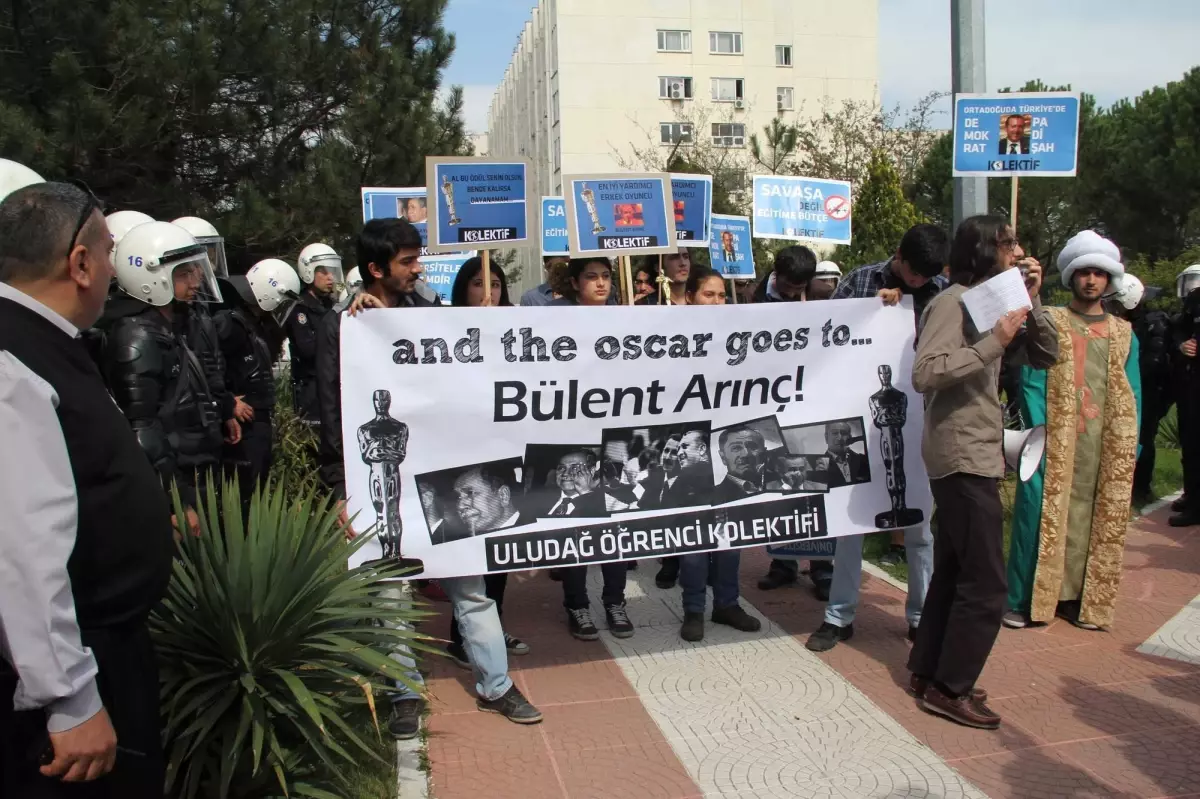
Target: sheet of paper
pixel 994 297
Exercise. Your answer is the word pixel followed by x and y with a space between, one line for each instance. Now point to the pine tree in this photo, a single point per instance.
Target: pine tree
pixel 881 216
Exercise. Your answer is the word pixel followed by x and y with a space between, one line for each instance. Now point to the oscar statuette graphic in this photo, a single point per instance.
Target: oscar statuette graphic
pixel 448 193
pixel 889 409
pixel 383 443
pixel 589 199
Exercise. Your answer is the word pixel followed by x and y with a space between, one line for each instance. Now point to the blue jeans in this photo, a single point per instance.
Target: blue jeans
pixel 402 654
pixel 483 638
pixel 847 576
pixel 693 578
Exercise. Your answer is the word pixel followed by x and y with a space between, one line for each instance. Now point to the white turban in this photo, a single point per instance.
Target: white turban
pixel 1089 248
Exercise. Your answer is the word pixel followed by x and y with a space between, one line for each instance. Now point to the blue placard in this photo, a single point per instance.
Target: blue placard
pixel 403 203
pixel 554 227
pixel 480 203
pixel 730 249
pixel 1029 134
pixel 620 214
pixel 802 209
pixel 440 271
pixel 692 198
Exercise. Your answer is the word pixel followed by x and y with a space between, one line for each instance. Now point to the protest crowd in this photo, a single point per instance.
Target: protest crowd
pixel 132 361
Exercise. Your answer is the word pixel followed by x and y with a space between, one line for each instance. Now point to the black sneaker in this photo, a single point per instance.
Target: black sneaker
pixel 735 616
pixel 912 634
pixel 556 575
pixel 827 636
pixel 459 655
pixel 1179 505
pixel 579 622
pixel 693 627
pixel 1015 620
pixel 821 589
pixel 405 723
pixel 894 556
pixel 668 574
pixel 618 621
pixel 775 579
pixel 1186 518
pixel 515 646
pixel 513 706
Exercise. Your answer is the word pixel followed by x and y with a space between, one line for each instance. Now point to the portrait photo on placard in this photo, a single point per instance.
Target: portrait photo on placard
pixel 471 500
pixel 563 480
pixel 743 459
pixel 412 209
pixel 657 468
pixel 835 451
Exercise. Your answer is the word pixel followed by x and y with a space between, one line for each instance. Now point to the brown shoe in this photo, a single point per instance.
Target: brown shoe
pixel 917 686
pixel 964 710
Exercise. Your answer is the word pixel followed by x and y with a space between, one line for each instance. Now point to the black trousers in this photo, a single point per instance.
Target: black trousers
pixel 1154 408
pixel 494 585
pixel 575 585
pixel 967 593
pixel 819 571
pixel 250 460
pixel 128 682
pixel 1189 438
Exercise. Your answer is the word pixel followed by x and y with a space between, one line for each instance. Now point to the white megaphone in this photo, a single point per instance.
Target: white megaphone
pixel 1023 450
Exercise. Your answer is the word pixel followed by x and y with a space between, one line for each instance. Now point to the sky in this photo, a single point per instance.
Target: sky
pixel 1109 48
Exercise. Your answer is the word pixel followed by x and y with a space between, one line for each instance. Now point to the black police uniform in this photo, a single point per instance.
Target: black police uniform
pixel 1153 331
pixel 301 328
pixel 1187 396
pixel 249 375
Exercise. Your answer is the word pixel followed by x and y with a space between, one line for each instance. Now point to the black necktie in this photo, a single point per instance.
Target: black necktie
pixel 565 506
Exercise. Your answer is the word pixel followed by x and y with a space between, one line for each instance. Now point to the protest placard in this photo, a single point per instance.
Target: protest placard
pixel 802 209
pixel 730 249
pixel 1024 134
pixel 554 227
pixel 622 213
pixel 404 203
pixel 440 271
pixel 692 198
pixel 493 440
pixel 480 203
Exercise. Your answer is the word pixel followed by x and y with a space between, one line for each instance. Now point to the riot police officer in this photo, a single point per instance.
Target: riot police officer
pixel 155 379
pixel 259 301
pixel 1187 385
pixel 320 269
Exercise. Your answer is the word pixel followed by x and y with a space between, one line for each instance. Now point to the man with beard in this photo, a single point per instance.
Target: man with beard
pixel 1069 520
pixel 744 452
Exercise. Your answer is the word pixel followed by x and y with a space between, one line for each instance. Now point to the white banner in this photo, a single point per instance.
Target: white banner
pixel 501 439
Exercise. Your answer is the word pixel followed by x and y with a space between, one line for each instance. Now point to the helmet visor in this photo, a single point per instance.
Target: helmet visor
pixel 193 277
pixel 1187 284
pixel 216 254
pixel 328 268
pixel 284 309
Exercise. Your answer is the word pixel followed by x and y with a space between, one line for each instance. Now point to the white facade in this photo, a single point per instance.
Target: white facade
pixel 590 80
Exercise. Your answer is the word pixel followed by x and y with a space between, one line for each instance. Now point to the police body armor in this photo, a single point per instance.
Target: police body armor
pixel 250 368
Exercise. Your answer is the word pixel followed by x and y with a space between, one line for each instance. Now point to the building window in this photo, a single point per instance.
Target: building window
pixel 728 90
pixel 728 134
pixel 720 43
pixel 675 41
pixel 554 104
pixel 784 98
pixel 732 179
pixel 675 132
pixel 675 88
pixel 783 55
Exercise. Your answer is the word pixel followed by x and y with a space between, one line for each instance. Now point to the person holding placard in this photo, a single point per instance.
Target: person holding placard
pixel 957 368
pixel 590 282
pixel 675 268
pixel 645 282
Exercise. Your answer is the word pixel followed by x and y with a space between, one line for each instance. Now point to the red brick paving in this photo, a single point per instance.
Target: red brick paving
pixel 1085 714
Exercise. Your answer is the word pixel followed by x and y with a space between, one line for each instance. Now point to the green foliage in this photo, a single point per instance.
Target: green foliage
pixel 882 215
pixel 1168 432
pixel 271 651
pixel 295 463
pixel 263 116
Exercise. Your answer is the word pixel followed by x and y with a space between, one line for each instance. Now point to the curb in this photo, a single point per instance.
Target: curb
pixel 411 781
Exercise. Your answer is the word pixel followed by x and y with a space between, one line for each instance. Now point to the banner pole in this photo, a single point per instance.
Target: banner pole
pixel 733 289
pixel 627 279
pixel 487 278
pixel 664 293
pixel 1013 217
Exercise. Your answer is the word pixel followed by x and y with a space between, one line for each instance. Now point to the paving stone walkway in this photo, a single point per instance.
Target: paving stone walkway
pixel 1086 714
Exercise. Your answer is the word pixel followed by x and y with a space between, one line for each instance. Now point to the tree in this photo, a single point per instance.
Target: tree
pixel 264 116
pixel 881 216
pixel 778 144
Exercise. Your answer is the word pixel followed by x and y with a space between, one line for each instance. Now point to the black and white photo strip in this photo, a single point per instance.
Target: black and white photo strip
pixel 563 480
pixel 472 500
pixel 744 461
pixel 657 468
pixel 827 455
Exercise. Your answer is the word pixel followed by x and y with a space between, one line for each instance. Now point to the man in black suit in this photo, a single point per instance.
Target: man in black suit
pixel 842 465
pixel 483 496
pixel 744 452
pixel 686 474
pixel 1015 142
pixel 578 478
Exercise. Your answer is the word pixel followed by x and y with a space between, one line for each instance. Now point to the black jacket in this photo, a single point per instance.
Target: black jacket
pixel 303 330
pixel 1155 347
pixel 328 380
pixel 248 361
pixel 195 326
pixel 160 386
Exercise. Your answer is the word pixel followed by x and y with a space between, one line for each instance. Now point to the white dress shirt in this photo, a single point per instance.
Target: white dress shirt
pixel 39 633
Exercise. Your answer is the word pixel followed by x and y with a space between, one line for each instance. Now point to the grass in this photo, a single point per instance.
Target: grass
pixel 373 779
pixel 1168 478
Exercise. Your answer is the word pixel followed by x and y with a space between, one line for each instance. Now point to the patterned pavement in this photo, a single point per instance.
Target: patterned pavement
pixel 757 715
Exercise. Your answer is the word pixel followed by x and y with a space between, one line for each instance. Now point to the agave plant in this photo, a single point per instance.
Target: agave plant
pixel 272 651
pixel 1168 432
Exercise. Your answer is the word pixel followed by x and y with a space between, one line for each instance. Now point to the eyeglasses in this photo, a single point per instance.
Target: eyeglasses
pixel 1007 243
pixel 91 203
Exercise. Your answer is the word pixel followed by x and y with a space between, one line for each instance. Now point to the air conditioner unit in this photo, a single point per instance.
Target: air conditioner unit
pixel 676 91
pixel 779 102
pixel 739 103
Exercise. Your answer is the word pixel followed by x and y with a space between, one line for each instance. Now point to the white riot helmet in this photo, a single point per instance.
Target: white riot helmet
pixel 828 270
pixel 121 222
pixel 321 256
pixel 15 176
pixel 1188 281
pixel 1131 292
pixel 354 280
pixel 153 257
pixel 207 235
pixel 276 287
